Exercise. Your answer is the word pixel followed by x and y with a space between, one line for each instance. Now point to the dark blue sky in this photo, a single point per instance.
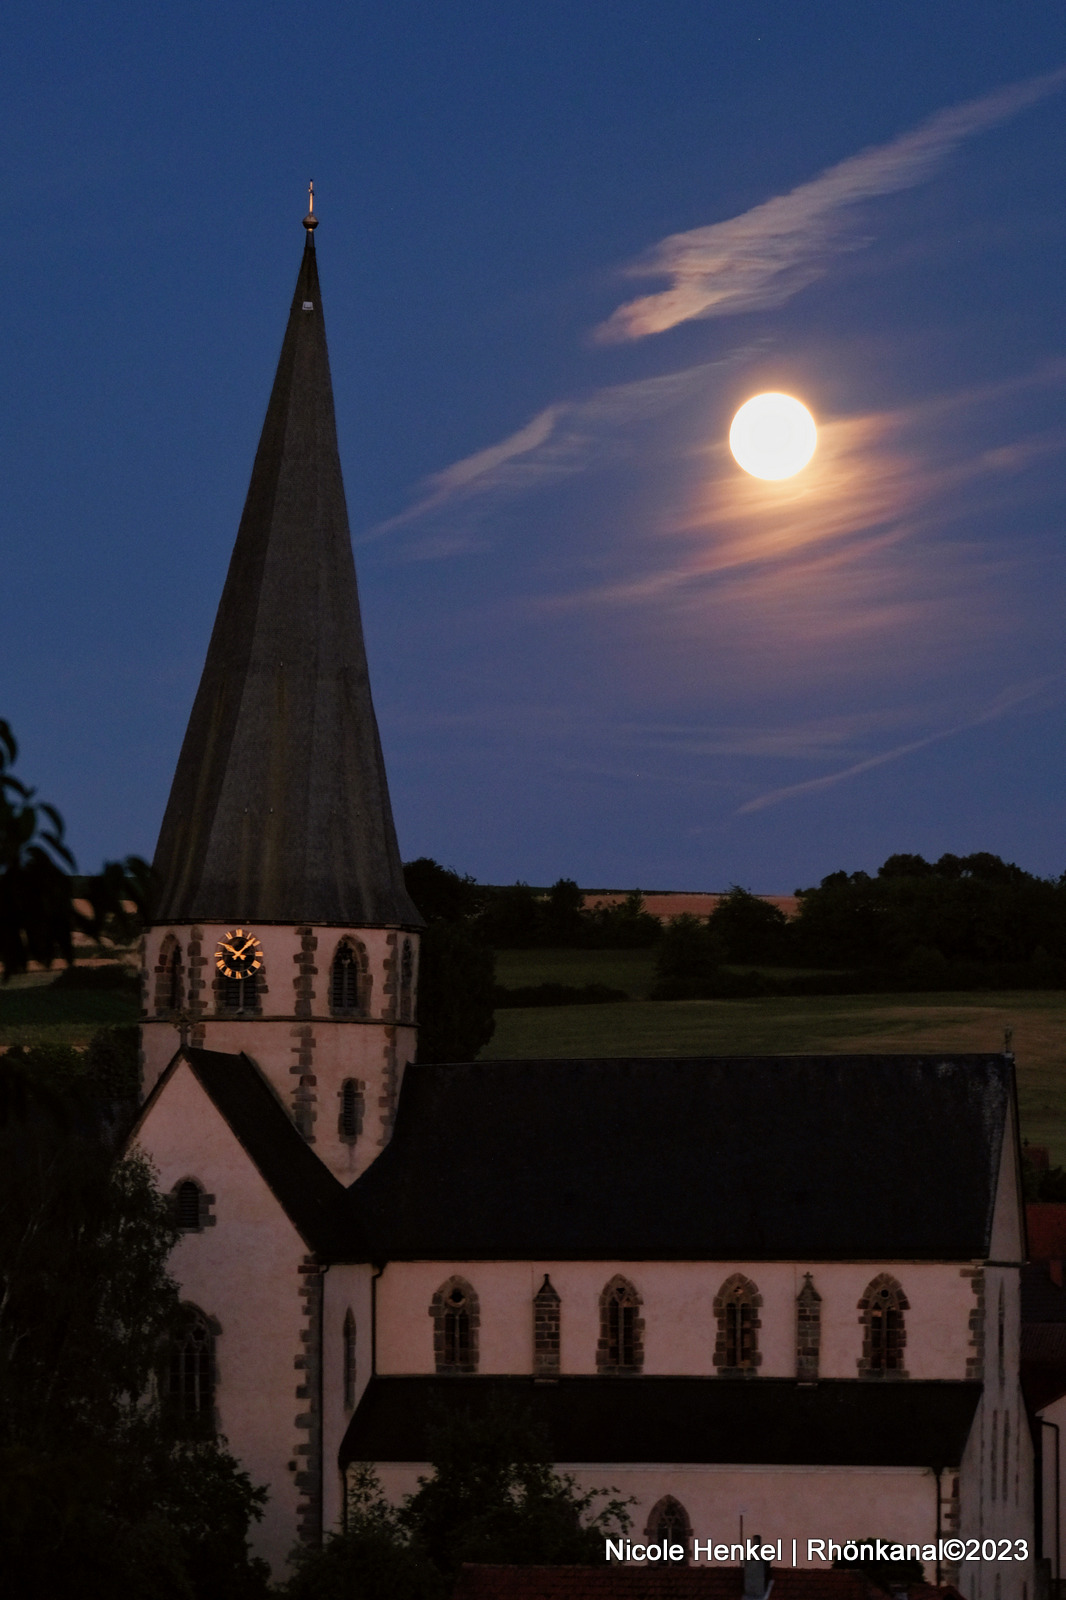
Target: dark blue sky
pixel 559 245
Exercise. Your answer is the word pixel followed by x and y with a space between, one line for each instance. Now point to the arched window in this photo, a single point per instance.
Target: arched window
pixel 407 982
pixel 884 1332
pixel 169 977
pixel 191 1380
pixel 736 1304
pixel 668 1523
pixel 349 1361
pixel 348 980
pixel 456 1319
pixel 350 1124
pixel 621 1345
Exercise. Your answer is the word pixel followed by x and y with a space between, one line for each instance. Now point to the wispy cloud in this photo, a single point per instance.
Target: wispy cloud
pixel 768 254
pixel 560 441
pixel 1003 703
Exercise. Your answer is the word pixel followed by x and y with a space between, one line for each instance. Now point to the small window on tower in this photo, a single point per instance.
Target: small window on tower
pixel 351 1117
pixel 347 980
pixel 407 982
pixel 239 994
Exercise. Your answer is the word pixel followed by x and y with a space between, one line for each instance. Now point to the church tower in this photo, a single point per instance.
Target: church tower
pixel 282 927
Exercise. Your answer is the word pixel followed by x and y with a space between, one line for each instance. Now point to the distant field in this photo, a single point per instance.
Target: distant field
pixel 814 1024
pixel 32 1011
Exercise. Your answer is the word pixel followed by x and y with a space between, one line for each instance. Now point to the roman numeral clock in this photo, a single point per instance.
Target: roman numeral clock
pixel 239 954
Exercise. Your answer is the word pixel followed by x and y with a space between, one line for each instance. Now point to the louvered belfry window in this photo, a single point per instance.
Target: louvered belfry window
pixel 187 1206
pixel 344 980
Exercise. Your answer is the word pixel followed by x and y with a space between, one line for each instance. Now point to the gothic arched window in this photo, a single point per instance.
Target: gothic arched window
pixel 884 1331
pixel 191 1379
pixel 668 1523
pixel 349 1361
pixel 348 980
pixel 456 1319
pixel 351 1114
pixel 407 982
pixel 621 1344
pixel 736 1305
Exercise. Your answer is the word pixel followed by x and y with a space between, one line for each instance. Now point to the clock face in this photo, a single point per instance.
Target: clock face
pixel 239 954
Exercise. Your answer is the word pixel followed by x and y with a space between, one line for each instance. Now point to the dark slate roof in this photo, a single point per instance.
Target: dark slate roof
pixel 311 1196
pixel 676 1582
pixel 764 1421
pixel 727 1158
pixel 279 810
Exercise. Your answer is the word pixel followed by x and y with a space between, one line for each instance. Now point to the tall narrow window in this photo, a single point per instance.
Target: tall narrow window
pixel 736 1350
pixel 884 1331
pixel 349 1361
pixel 456 1318
pixel 174 980
pixel 1001 1338
pixel 347 979
pixel 191 1380
pixel 169 975
pixel 621 1344
pixel 1006 1456
pixel 993 1455
pixel 407 982
pixel 351 1114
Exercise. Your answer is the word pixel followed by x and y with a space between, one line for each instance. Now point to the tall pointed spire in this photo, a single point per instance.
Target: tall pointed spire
pixel 279 810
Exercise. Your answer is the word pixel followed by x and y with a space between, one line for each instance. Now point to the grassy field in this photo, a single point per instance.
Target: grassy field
pixel 778 1026
pixel 33 1011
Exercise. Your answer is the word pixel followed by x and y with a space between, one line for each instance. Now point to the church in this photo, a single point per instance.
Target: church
pixel 778 1295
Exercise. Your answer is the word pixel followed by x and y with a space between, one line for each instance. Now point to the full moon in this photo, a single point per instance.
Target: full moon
pixel 773 436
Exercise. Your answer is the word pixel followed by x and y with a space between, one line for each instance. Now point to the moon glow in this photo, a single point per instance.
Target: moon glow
pixel 773 436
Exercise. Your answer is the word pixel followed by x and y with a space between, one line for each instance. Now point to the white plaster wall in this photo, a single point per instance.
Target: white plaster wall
pixel 243 1271
pixel 678 1312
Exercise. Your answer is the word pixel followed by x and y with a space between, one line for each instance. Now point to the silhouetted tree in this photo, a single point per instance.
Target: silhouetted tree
pixel 750 929
pixel 38 917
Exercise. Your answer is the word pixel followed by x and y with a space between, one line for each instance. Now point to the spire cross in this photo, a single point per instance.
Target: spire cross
pixel 311 198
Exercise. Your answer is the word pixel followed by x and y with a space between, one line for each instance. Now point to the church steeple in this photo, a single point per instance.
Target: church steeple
pixel 279 810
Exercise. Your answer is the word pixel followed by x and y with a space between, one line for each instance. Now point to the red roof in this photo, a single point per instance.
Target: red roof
pixel 1046 1222
pixel 611 1582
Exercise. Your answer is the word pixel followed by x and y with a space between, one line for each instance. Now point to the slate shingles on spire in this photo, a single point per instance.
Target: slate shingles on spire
pixel 279 810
